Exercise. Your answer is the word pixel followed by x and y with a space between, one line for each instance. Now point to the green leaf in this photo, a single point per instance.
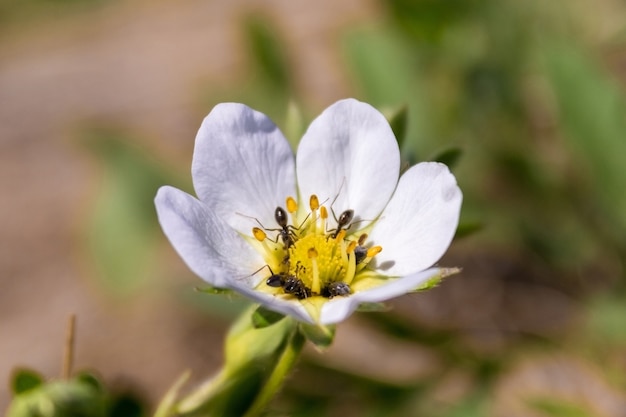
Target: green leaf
pixel 60 399
pixel 123 231
pixel 25 380
pixel 592 109
pixel 467 228
pixel 90 379
pixel 262 317
pixel 321 336
pixel 450 157
pixel 559 408
pixel 382 66
pixel 398 122
pixel 267 52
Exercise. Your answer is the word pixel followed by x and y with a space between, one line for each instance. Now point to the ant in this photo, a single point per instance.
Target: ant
pixel 286 231
pixel 289 283
pixel 360 251
pixel 344 220
pixel 335 289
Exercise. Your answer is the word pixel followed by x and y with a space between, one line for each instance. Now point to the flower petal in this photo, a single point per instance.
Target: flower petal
pixel 243 167
pixel 339 308
pixel 215 251
pixel 418 224
pixel 211 249
pixel 350 153
pixel 290 307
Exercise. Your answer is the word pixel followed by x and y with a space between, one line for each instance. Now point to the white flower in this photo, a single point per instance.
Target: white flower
pixel 347 168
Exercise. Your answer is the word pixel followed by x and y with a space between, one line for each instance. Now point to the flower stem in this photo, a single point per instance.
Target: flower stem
pixel 275 381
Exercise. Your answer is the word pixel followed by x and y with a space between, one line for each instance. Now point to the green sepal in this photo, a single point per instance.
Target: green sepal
pixel 25 380
pixel 295 126
pixel 214 290
pixel 256 363
pixel 321 336
pixel 263 317
pixel 398 122
pixel 449 156
pixel 373 307
pixel 436 280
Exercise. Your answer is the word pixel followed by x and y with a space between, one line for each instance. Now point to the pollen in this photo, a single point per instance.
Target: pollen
pixel 317 261
pixel 308 256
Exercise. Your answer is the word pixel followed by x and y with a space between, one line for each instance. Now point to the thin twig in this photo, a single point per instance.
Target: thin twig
pixel 68 354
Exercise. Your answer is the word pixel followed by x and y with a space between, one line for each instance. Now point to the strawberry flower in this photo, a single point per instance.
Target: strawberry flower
pixel 315 235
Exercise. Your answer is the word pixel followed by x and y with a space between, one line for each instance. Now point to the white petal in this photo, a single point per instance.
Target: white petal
pixel 215 251
pixel 350 153
pixel 242 166
pixel 339 308
pixel 418 224
pixel 290 307
pixel 211 249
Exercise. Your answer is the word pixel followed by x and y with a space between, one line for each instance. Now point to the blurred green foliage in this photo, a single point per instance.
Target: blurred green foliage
pixel 84 395
pixel 123 233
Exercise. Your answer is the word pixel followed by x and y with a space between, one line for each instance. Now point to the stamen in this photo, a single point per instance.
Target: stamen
pixel 341 235
pixel 314 203
pixel 351 266
pixel 315 282
pixel 259 234
pixel 323 216
pixel 351 247
pixel 373 251
pixel 292 206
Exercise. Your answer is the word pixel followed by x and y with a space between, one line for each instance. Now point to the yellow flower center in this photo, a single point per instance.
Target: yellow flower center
pixel 307 260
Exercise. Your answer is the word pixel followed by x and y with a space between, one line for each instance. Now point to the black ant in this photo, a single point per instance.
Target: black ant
pixel 289 283
pixel 336 289
pixel 360 251
pixel 344 220
pixel 286 232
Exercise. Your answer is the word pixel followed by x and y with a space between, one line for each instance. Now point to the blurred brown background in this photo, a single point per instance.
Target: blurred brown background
pixel 100 102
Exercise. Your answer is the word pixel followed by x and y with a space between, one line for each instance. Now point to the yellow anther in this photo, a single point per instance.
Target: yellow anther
pixel 351 246
pixel 323 212
pixel 314 203
pixel 292 206
pixel 259 234
pixel 362 239
pixel 341 235
pixel 373 251
pixel 312 252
